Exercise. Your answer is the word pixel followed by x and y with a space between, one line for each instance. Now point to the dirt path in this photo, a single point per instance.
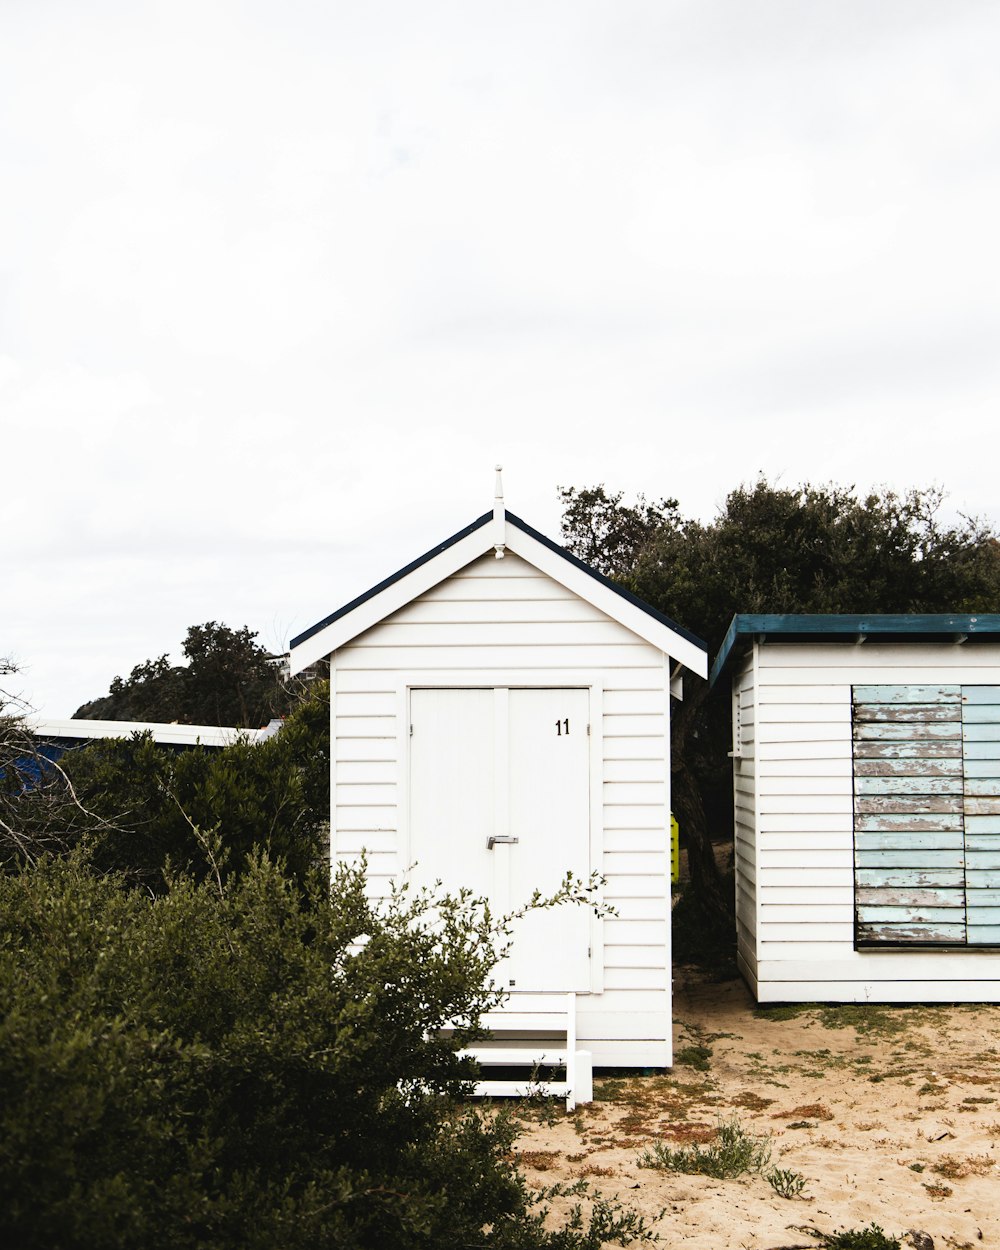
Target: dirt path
pixel 889 1114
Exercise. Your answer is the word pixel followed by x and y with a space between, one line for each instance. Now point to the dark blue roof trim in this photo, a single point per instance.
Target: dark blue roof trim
pixel 606 581
pixel 389 581
pixel 823 627
pixel 533 533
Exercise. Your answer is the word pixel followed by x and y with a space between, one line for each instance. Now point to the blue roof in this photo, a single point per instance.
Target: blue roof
pixel 830 627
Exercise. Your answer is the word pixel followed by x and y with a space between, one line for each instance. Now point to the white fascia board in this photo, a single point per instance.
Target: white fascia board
pixel 181 735
pixel 396 596
pixel 607 601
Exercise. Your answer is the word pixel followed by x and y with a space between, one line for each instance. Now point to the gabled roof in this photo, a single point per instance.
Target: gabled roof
pixel 846 627
pixel 484 534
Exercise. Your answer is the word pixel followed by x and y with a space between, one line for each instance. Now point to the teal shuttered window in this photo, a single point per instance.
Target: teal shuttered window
pixel 927 815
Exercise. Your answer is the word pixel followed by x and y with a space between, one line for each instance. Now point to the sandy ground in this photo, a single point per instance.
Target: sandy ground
pixel 891 1114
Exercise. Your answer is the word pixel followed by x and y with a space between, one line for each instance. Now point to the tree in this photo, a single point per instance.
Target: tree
pixel 229 680
pixel 774 549
pixel 142 808
pixel 247 1065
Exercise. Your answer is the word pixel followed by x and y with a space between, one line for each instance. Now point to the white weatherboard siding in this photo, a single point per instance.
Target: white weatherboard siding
pixel 804 845
pixel 745 825
pixel 504 624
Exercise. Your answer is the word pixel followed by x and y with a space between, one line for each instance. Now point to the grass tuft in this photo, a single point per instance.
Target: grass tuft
pixel 734 1152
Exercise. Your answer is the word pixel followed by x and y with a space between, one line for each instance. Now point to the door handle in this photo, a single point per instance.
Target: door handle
pixel 503 837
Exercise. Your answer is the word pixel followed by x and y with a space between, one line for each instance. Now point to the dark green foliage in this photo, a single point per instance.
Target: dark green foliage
pixel 253 1067
pixel 228 680
pixel 138 805
pixel 870 1238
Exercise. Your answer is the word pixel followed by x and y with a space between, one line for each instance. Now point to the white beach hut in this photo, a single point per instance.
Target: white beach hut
pixel 866 765
pixel 500 716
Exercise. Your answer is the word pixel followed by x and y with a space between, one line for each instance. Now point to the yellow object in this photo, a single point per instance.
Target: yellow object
pixel 675 850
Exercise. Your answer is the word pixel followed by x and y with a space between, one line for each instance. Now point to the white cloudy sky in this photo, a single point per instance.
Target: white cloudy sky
pixel 279 283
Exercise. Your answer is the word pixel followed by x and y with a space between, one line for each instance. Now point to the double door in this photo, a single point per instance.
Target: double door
pixel 499 796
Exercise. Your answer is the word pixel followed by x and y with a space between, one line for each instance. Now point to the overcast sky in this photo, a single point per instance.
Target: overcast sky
pixel 280 283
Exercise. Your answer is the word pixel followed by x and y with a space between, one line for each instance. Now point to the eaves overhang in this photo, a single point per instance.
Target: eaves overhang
pixel 955 627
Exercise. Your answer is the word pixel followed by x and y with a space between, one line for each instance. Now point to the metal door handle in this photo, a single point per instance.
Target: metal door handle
pixel 503 837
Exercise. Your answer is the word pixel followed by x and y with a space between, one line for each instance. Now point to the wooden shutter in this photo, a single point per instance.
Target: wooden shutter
pixel 909 824
pixel 981 756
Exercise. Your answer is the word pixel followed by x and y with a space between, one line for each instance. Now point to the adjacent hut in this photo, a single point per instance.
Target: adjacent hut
pixel 500 716
pixel 866 773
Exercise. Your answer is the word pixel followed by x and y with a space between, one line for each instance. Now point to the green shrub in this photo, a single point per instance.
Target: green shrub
pixel 734 1152
pixel 785 1183
pixel 870 1238
pixel 253 1064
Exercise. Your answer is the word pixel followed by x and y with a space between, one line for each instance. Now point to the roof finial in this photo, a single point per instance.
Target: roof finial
pixel 499 517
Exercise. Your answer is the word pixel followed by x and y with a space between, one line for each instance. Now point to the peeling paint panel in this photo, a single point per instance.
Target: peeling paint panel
pixel 981 749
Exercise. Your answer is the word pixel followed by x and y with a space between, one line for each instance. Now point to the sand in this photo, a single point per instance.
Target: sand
pixel 890 1114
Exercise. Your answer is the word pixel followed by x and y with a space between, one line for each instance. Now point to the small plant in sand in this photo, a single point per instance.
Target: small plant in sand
pixel 785 1183
pixel 734 1152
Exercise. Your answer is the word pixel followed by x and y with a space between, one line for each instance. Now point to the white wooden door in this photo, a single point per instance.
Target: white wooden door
pixel 500 803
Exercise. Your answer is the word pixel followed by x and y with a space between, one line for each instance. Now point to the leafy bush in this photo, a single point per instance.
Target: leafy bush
pixel 250 1064
pixel 785 1183
pixel 139 806
pixel 734 1152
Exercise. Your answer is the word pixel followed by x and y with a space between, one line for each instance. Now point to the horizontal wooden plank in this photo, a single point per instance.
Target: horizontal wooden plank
pixel 984 787
pixel 984 770
pixel 907 750
pixel 912 857
pixel 982 841
pixel 598 631
pixel 877 732
pixel 908 694
pixel 815 822
pixel 910 897
pixel 651 770
pixel 473 658
pixel 804 713
pixel 871 914
pixel 983 876
pixel 904 934
pixel 922 767
pixel 981 694
pixel 803 931
pixel 809 876
pixel 908 785
pixel 627 816
pixel 907 713
pixel 515 587
pixel 981 750
pixel 983 714
pixel 357 772
pixel 981 733
pixel 899 804
pixel 366 748
pixel 902 840
pixel 642 725
pixel 636 748
pixel 429 609
pixel 914 823
pixel 806 857
pixel 982 806
pixel 982 824
pixel 909 878
pixel 813 897
pixel 838 748
pixel 348 817
pixel 809 694
pixel 981 896
pixel 814 784
pixel 803 805
pixel 983 934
